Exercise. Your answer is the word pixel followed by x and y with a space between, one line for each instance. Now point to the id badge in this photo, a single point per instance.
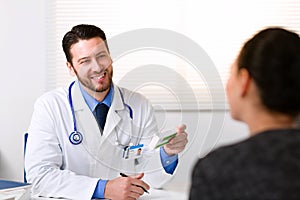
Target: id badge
pixel 133 152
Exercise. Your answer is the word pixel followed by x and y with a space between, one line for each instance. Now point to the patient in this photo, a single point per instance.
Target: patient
pixel 264 92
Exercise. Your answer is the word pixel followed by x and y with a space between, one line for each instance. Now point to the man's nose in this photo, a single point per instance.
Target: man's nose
pixel 97 66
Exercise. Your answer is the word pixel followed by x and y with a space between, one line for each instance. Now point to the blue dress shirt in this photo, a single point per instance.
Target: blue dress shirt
pixel 169 162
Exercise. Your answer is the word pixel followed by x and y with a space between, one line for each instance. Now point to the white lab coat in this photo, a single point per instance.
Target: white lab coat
pixel 57 168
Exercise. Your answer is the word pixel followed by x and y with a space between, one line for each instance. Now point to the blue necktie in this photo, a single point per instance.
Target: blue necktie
pixel 101 113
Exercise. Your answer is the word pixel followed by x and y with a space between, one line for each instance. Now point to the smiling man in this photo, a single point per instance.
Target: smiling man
pixel 92 65
pixel 78 135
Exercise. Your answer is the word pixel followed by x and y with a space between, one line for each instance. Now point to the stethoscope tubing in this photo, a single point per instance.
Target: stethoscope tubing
pixel 75 137
pixel 72 107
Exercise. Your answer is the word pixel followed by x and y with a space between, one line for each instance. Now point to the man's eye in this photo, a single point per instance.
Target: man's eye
pixel 102 56
pixel 84 62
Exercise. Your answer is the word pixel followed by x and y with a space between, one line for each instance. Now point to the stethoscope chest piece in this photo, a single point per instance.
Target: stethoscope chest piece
pixel 75 137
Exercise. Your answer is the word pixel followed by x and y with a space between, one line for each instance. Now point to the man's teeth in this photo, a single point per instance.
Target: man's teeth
pixel 99 77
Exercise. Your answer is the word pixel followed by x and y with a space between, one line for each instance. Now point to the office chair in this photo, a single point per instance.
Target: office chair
pixel 25 143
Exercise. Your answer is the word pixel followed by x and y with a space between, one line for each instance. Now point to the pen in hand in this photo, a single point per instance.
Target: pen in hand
pixel 124 175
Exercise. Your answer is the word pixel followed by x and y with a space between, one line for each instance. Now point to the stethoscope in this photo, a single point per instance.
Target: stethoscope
pixel 76 137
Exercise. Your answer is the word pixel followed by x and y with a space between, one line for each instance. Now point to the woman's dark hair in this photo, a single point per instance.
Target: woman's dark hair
pixel 272 58
pixel 81 32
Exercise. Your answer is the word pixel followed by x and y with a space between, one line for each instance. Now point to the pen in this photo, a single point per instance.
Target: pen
pixel 124 175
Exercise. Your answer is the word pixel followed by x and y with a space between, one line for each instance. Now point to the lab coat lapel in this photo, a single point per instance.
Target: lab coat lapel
pixel 113 118
pixel 86 122
pixel 110 153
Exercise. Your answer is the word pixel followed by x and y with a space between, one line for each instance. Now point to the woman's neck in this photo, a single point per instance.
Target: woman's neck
pixel 263 121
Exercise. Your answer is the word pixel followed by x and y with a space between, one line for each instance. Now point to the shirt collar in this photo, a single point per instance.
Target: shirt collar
pixel 92 102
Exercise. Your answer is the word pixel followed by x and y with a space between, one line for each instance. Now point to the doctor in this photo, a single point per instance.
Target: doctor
pixel 78 135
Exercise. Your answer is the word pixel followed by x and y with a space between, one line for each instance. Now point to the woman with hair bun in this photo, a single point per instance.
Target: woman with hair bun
pixel 264 92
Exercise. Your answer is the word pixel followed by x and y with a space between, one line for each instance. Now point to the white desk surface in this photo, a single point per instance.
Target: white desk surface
pixel 153 194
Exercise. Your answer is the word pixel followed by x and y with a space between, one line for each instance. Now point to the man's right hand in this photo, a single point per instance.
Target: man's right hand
pixel 125 188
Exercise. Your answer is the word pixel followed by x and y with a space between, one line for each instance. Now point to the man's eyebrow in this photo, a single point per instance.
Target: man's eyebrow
pixel 83 58
pixel 88 57
pixel 101 52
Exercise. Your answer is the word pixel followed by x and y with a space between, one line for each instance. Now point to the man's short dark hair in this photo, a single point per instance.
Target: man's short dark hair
pixel 81 32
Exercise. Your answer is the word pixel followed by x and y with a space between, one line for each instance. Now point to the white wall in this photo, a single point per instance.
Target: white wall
pixel 203 137
pixel 22 77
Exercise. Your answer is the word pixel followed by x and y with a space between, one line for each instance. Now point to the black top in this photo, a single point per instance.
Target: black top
pixel 265 166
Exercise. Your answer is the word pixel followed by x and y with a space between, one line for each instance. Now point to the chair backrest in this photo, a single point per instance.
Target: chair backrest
pixel 25 143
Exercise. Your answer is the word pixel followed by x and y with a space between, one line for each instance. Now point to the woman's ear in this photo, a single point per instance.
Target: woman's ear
pixel 245 80
pixel 71 69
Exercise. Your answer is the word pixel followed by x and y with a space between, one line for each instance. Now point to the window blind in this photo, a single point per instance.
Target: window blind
pixel 194 43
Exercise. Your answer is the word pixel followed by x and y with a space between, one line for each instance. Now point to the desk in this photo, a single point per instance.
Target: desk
pixel 163 195
pixel 154 194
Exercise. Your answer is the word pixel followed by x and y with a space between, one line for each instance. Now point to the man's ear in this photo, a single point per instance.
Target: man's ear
pixel 245 80
pixel 71 69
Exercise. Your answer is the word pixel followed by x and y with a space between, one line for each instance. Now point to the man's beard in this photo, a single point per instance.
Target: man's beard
pixel 92 88
pixel 88 84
